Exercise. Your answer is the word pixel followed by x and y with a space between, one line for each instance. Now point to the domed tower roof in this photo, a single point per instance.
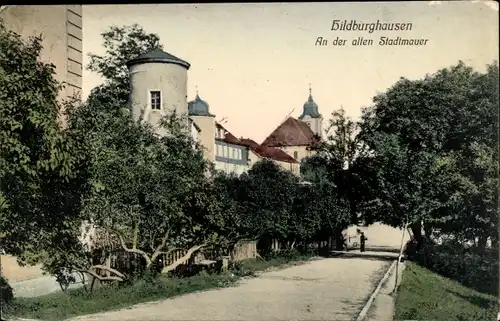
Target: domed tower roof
pixel 310 108
pixel 198 107
pixel 159 56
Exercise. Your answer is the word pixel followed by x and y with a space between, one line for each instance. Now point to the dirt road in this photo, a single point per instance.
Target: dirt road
pixel 325 289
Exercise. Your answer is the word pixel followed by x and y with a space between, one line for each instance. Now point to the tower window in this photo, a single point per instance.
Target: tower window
pixel 155 99
pixel 295 154
pixel 308 124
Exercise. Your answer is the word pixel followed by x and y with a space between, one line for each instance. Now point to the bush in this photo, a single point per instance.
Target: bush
pixel 468 266
pixel 245 268
pixel 6 293
pixel 286 254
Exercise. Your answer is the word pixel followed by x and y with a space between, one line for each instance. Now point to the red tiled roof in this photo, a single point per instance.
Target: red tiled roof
pixel 292 132
pixel 279 155
pixel 268 152
pixel 253 145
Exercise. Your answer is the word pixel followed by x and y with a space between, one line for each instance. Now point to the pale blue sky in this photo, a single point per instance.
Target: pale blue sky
pixel 253 62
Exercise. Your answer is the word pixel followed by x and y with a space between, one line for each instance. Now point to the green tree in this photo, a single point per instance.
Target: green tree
pixel 469 163
pixel 339 151
pixel 226 192
pixel 42 169
pixel 340 145
pixel 150 193
pixel 325 203
pixel 428 138
pixel 267 198
pixel 333 171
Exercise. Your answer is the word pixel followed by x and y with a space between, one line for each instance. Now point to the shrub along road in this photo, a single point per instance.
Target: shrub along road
pixel 323 289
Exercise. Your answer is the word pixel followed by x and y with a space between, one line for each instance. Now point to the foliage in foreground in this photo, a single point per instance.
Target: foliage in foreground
pixel 468 266
pixel 424 295
pixel 60 305
pixel 6 293
pixel 42 169
pixel 434 148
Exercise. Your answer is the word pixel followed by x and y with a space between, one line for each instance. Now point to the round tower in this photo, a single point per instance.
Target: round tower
pixel 199 112
pixel 311 116
pixel 158 86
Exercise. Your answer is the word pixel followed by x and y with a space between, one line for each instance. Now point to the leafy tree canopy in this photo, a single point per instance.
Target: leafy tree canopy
pixel 428 138
pixel 42 172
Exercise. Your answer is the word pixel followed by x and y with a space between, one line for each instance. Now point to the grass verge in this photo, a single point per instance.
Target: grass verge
pixel 424 295
pixel 60 306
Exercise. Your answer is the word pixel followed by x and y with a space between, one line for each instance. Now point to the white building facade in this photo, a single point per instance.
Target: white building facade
pixel 221 147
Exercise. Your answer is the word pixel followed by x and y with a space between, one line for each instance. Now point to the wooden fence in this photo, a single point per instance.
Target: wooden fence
pixel 123 260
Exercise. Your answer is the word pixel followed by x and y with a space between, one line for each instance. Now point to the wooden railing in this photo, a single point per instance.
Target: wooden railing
pixel 123 260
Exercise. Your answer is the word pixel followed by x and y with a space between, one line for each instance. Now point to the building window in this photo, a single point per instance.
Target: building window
pixel 295 154
pixel 155 99
pixel 308 124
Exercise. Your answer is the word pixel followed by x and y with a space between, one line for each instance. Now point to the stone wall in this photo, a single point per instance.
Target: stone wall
pixel 61 29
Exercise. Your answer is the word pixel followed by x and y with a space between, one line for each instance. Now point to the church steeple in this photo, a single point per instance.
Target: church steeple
pixel 198 107
pixel 310 107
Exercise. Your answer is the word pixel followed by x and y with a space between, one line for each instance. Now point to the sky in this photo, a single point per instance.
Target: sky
pixel 253 63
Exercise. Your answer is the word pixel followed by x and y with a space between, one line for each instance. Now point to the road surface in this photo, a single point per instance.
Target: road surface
pixel 324 289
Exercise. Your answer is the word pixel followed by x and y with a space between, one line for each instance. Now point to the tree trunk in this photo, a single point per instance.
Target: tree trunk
pixel 428 231
pixel 84 283
pixel 339 240
pixel 92 284
pixel 416 229
pixel 494 242
pixel 481 244
pixel 108 264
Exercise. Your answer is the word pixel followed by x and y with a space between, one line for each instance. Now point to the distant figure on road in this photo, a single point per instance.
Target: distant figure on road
pixel 362 239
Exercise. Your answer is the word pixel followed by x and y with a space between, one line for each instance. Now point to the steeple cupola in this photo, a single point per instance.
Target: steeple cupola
pixel 198 107
pixel 199 112
pixel 310 107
